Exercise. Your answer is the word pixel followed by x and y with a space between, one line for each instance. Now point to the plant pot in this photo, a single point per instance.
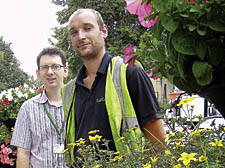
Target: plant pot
pixel 215 92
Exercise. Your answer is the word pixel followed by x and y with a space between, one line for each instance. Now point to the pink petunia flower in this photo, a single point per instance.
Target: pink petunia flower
pixel 142 11
pixel 130 55
pixel 135 7
pixel 147 23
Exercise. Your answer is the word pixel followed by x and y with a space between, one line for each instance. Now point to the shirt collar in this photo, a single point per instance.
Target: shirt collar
pixel 101 70
pixel 42 98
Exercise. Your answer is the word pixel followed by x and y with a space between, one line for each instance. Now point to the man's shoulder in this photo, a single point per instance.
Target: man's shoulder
pixel 32 100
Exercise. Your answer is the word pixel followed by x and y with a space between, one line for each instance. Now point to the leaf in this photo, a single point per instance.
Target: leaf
pixel 179 83
pixel 201 49
pixel 192 27
pixel 217 25
pixel 169 23
pixel 157 56
pixel 157 29
pixel 202 72
pixel 180 65
pixel 201 31
pixel 183 43
pixel 154 41
pixel 160 5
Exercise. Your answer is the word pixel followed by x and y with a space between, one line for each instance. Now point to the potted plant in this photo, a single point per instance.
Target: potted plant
pixel 187 45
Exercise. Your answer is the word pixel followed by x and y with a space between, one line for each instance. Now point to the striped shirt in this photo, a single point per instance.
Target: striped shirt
pixel 34 131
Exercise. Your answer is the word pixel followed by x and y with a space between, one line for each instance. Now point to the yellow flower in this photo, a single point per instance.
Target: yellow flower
pixel 154 159
pixel 80 141
pixel 93 132
pixel 169 136
pixel 72 144
pixel 216 143
pixel 117 158
pixel 181 139
pixel 116 153
pixel 12 129
pixel 167 152
pixel 197 132
pixel 120 139
pixel 97 166
pixel 177 166
pixel 178 144
pixel 65 150
pixel 79 150
pixel 187 158
pixel 148 165
pixel 202 158
pixel 95 138
pixel 185 101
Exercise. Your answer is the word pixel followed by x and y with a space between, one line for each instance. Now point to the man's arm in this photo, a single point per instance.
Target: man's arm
pixel 23 158
pixel 154 131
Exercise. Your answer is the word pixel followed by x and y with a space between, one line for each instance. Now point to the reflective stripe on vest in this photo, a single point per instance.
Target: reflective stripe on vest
pixel 118 104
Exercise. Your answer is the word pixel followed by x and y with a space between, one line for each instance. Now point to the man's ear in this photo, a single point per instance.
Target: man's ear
pixel 38 74
pixel 105 31
pixel 66 70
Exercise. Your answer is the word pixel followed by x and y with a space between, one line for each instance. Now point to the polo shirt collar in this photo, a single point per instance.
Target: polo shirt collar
pixel 101 70
pixel 42 98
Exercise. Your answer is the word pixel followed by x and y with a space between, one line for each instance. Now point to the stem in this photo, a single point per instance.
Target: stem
pixel 200 139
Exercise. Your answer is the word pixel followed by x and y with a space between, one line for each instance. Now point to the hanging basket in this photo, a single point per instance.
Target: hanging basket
pixel 215 92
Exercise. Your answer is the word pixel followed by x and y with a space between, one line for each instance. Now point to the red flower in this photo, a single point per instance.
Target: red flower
pixel 5 101
pixel 1 107
pixel 40 88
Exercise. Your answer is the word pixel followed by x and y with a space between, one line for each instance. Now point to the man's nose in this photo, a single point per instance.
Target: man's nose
pixel 81 34
pixel 50 71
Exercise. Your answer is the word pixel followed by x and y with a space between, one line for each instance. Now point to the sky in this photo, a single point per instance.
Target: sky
pixel 27 24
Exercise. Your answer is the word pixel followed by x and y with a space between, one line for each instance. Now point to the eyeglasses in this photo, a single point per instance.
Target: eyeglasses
pixel 54 67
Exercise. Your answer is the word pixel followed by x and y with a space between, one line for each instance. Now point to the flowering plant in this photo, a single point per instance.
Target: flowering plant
pixel 186 44
pixel 187 41
pixel 7 155
pixel 12 99
pixel 199 147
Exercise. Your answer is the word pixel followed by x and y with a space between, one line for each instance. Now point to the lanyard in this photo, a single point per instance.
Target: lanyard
pixel 51 120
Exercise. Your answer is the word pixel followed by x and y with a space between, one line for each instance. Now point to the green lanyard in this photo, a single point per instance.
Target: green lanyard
pixel 51 120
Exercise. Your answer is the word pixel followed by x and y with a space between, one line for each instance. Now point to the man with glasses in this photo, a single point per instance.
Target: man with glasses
pixel 40 128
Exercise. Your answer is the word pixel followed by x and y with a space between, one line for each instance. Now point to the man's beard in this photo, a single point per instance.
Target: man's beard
pixel 91 54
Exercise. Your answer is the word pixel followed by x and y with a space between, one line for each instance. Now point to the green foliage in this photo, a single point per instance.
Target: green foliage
pixel 123 28
pixel 11 73
pixel 5 133
pixel 12 99
pixel 190 48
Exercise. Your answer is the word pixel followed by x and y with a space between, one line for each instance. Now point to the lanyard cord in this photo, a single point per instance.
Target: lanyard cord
pixel 51 120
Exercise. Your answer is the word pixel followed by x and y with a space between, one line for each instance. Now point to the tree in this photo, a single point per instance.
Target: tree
pixel 11 73
pixel 123 27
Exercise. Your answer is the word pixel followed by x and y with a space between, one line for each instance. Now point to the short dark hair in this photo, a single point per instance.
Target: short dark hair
pixel 51 51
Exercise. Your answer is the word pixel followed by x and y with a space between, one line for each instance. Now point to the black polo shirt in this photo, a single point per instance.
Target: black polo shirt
pixel 90 108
